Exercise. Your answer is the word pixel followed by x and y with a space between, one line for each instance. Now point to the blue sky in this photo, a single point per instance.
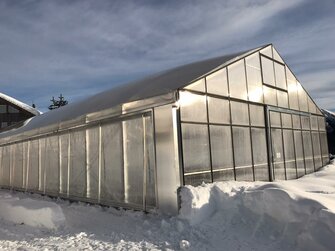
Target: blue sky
pixel 79 48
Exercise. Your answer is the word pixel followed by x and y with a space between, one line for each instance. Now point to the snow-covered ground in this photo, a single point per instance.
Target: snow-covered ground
pixel 285 215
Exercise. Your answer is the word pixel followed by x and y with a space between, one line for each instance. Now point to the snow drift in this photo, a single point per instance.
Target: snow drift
pixel 32 212
pixel 284 215
pixel 299 212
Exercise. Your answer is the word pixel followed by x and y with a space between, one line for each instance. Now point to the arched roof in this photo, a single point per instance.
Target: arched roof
pixel 158 84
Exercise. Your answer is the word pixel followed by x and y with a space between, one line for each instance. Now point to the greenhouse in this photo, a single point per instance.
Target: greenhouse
pixel 243 116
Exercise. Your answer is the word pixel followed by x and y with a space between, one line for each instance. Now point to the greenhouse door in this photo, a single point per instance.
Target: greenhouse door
pixel 285 146
pixel 139 161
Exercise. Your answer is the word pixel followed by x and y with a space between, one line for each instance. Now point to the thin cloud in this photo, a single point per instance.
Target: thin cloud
pixel 79 48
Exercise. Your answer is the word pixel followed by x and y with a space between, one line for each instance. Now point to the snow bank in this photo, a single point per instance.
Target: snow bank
pixel 35 213
pixel 244 216
pixel 302 212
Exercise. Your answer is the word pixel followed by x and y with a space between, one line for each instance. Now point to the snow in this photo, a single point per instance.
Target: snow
pixel 32 212
pixel 20 104
pixel 284 215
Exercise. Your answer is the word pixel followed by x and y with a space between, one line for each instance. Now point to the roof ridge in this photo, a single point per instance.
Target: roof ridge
pixel 20 104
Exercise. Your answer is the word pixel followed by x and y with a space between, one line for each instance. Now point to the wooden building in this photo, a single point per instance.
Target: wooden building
pixel 13 111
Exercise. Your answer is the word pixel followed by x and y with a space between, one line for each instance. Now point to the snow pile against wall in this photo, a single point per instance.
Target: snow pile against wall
pixel 288 215
pixel 31 212
pixel 298 212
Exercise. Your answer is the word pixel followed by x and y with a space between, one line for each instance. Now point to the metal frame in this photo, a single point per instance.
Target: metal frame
pixel 310 130
pixel 142 107
pixel 209 133
pixel 231 125
pixel 267 109
pixel 42 183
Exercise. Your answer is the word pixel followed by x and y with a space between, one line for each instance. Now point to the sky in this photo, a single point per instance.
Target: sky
pixel 79 48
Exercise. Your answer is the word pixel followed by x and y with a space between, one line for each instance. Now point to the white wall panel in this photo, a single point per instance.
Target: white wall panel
pixel 77 180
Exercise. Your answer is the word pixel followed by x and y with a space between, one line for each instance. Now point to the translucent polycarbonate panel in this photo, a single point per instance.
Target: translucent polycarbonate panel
pixel 260 155
pixel 279 171
pixel 254 62
pixel 305 122
pixel 93 155
pixel 197 86
pixel 244 173
pixel 308 151
pixel 316 150
pixel 259 147
pixel 302 97
pixel 221 147
pixel 77 179
pixel 325 160
pixel 133 152
pixel 193 107
pixel 33 166
pixel 149 154
pixel 255 93
pixel 51 164
pixel 239 113
pixel 254 78
pixel 282 99
pixel 318 162
pixel 268 71
pixel 41 171
pixel 223 175
pixel 218 111
pixel 309 163
pixel 296 121
pixel 278 154
pixel 257 115
pixel 11 165
pixel 195 148
pixel 112 171
pixel 166 127
pixel 291 170
pixel 280 76
pixel 197 179
pixel 314 123
pixel 275 120
pixel 324 144
pixel 276 55
pixel 242 147
pixel 322 124
pixel 25 146
pixel 267 51
pixel 261 172
pixel 1 167
pixel 292 90
pixel 5 166
pixel 311 106
pixel 237 80
pixel 289 74
pixel 217 82
pixel 17 165
pixel 270 96
pixel 286 119
pixel 298 145
pixel 64 162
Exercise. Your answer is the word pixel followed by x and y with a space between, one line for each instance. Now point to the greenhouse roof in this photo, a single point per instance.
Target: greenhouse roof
pixel 155 85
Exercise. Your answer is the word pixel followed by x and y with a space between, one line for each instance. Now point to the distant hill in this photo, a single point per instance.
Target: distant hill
pixel 330 119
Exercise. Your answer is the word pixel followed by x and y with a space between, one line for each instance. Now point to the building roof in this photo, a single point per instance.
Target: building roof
pixel 155 85
pixel 20 104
